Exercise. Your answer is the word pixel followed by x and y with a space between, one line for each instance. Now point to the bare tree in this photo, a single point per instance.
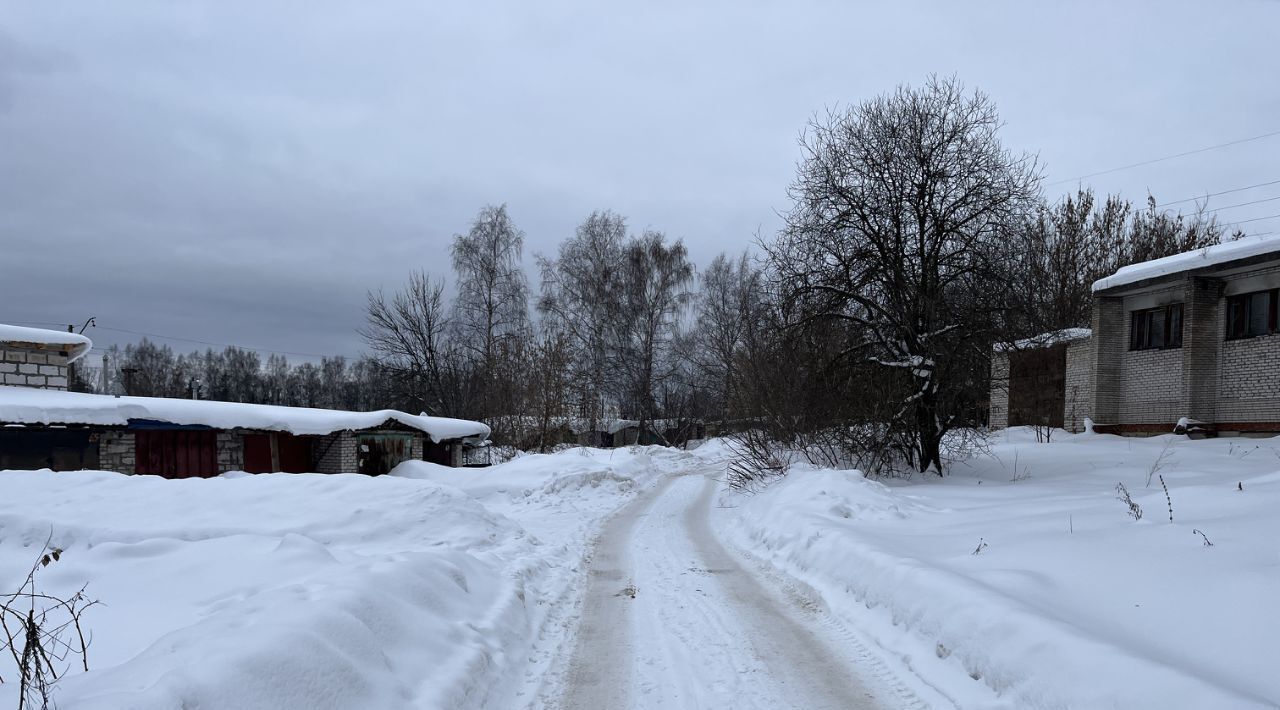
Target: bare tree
pixel 549 385
pixel 730 295
pixel 1069 245
pixel 491 308
pixel 407 335
pixel 654 291
pixel 580 296
pixel 905 207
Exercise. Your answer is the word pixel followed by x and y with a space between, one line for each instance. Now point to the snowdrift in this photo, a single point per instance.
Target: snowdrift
pixel 432 588
pixel 1019 581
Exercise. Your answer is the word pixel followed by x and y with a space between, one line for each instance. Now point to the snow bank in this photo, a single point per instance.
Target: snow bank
pixel 1069 603
pixel 1242 248
pixel 24 405
pixel 76 345
pixel 430 588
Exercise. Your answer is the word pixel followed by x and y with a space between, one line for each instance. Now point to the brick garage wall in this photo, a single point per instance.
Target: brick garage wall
pixel 415 446
pixel 998 415
pixel 230 451
pixel 1079 385
pixel 116 451
pixel 336 453
pixel 31 368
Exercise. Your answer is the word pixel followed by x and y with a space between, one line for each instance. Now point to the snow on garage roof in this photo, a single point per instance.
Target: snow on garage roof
pixel 75 344
pixel 25 405
pixel 1242 248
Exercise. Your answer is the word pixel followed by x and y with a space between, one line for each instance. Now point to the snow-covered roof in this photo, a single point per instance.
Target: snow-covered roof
pixel 75 344
pixel 25 405
pixel 1242 248
pixel 1044 340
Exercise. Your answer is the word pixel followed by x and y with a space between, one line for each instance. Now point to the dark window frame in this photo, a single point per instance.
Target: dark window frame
pixel 1240 314
pixel 1157 328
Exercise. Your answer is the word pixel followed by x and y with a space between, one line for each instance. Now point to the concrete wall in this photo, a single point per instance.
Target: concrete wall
pixel 33 368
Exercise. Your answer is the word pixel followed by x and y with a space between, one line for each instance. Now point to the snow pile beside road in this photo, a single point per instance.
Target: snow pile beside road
pixel 1069 602
pixel 311 590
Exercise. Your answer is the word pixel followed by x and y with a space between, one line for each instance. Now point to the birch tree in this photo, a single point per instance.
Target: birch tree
pixel 491 308
pixel 580 294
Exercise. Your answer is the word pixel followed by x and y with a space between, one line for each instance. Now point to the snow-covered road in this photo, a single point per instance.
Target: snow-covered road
pixel 672 620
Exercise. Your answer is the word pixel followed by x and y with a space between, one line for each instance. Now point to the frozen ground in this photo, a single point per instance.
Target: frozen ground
pixel 1070 603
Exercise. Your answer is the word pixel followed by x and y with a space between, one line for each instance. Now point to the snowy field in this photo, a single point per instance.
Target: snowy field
pixel 431 587
pixel 1070 603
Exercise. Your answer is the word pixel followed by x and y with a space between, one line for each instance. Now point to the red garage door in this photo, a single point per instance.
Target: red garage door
pixel 291 454
pixel 177 454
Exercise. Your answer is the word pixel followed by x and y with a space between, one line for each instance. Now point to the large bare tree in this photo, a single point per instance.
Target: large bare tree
pixel 581 296
pixel 904 211
pixel 730 296
pixel 654 292
pixel 492 305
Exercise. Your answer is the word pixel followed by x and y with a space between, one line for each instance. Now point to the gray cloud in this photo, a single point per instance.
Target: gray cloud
pixel 240 172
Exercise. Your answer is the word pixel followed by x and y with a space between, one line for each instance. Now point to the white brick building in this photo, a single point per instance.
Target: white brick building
pixel 1193 337
pixel 34 357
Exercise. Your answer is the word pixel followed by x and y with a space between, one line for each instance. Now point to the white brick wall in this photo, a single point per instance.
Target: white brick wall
pixel 1152 382
pixel 116 451
pixel 1250 368
pixel 30 368
pixel 337 453
pixel 998 415
pixel 1079 385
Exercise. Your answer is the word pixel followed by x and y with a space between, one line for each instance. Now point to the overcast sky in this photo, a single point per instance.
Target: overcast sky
pixel 244 172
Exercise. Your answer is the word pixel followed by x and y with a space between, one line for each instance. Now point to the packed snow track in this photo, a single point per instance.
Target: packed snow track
pixel 672 620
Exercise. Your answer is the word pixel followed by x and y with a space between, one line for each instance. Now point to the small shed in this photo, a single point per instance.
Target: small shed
pixel 1042 381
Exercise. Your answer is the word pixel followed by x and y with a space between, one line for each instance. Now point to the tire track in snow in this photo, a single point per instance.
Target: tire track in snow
pixel 700 632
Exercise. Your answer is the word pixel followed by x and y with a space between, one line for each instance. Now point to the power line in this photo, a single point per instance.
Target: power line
pixel 1215 194
pixel 1164 158
pixel 1255 219
pixel 1243 204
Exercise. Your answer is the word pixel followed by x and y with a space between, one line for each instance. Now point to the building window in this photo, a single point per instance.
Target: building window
pixel 1251 314
pixel 1157 328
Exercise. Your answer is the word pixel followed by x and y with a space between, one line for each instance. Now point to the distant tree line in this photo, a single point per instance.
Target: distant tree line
pixel 860 334
pixel 147 369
